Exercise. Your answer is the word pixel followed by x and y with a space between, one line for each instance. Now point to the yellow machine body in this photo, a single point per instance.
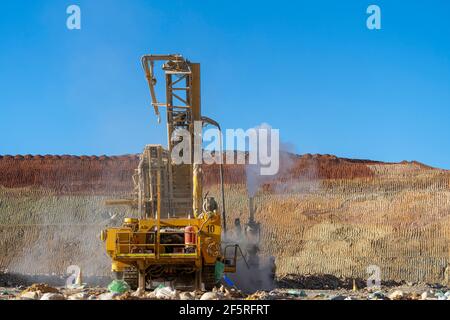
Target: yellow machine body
pixel 141 245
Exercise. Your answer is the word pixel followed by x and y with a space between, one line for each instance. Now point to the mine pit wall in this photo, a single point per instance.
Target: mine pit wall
pixel 43 233
pixel 397 219
pixel 315 234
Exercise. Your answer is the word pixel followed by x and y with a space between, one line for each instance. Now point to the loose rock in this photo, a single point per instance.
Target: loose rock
pixel 108 296
pixel 166 293
pixel 79 296
pixel 138 293
pixel 377 295
pixel 186 296
pixel 151 295
pixel 340 297
pixel 209 296
pixel 30 295
pixel 42 288
pixel 396 295
pixel 52 296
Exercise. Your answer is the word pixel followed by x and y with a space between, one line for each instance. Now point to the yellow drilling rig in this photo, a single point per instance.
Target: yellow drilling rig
pixel 178 235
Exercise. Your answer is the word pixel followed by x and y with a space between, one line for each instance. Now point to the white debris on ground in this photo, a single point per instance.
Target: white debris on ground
pixel 45 292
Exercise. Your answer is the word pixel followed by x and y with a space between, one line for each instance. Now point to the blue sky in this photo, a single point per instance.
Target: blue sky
pixel 310 68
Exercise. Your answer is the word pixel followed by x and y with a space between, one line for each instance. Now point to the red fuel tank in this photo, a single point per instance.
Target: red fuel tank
pixel 190 236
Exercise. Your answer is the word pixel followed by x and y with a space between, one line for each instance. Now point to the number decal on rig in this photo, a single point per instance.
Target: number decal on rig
pixel 211 228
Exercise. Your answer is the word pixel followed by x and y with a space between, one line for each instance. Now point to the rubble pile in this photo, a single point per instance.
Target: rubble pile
pixel 118 292
pixel 324 282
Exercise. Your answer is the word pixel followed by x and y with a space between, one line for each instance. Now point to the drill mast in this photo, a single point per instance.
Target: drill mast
pixel 183 185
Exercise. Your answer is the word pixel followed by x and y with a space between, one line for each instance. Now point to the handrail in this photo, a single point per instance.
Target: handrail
pixel 222 188
pixel 124 240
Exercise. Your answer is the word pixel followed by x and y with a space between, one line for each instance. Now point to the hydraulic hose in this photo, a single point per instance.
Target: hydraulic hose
pixel 216 124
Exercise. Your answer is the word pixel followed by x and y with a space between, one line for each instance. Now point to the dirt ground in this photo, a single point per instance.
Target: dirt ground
pixel 43 291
